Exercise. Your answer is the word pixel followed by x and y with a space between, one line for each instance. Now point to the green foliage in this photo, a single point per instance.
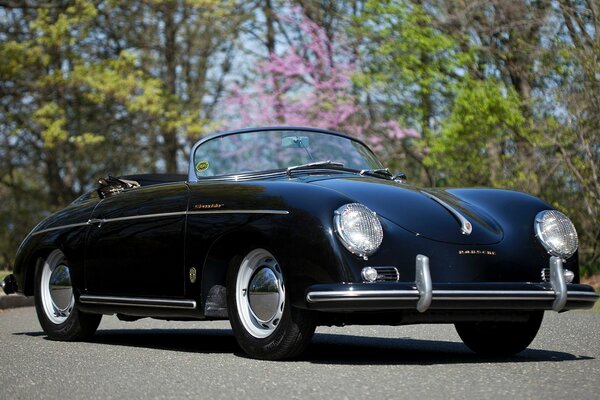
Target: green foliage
pixel 589 269
pixel 407 57
pixel 504 94
pixel 410 70
pixel 479 132
pixel 72 110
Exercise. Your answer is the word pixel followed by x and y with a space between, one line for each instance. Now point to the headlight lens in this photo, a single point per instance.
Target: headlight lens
pixel 358 228
pixel 556 233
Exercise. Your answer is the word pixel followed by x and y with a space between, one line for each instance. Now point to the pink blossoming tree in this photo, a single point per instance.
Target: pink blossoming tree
pixel 308 84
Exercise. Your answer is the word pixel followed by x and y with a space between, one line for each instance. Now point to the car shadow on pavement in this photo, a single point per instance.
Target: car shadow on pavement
pixel 363 350
pixel 325 348
pixel 186 340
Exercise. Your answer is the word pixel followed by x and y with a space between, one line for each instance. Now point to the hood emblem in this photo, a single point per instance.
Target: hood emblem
pixel 465 226
pixel 477 252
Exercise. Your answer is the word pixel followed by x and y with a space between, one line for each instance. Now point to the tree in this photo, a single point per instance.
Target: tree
pixel 71 112
pixel 485 118
pixel 410 71
pixel 309 83
pixel 576 139
pixel 187 45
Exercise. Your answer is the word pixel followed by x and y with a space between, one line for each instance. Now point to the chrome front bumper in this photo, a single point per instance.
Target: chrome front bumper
pixel 424 295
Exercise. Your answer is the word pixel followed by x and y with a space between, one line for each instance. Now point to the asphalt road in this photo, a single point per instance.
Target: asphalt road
pixel 201 360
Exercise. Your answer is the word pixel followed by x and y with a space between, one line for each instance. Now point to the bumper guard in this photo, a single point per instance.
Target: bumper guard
pixel 423 295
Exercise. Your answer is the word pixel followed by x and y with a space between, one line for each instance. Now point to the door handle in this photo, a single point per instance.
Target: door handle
pixel 95 221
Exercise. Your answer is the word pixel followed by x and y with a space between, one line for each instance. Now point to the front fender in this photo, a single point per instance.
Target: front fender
pixel 303 239
pixel 65 230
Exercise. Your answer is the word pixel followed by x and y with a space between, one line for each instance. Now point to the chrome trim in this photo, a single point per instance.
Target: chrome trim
pixel 193 178
pixel 133 217
pixel 318 297
pixel 337 215
pixel 276 212
pixel 483 295
pixel 60 227
pixel 492 295
pixel 497 292
pixel 423 282
pixel 537 226
pixel 241 177
pixel 314 165
pixel 557 280
pixel 259 302
pixel 100 221
pixel 465 226
pixel 384 274
pixel 593 296
pixel 137 302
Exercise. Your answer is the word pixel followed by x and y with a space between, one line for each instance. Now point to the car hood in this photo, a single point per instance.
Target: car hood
pixel 415 210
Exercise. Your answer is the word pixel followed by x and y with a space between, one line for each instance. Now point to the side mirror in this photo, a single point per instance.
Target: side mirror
pixel 399 177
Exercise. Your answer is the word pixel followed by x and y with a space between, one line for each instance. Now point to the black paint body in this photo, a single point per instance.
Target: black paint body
pixel 135 256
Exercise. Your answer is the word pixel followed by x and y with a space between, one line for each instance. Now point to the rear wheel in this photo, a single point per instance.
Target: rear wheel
pixel 500 338
pixel 264 322
pixel 55 302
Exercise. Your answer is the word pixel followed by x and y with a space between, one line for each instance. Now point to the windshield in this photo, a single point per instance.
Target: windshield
pixel 277 150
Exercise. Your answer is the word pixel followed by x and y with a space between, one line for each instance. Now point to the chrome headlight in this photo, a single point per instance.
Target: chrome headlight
pixel 556 233
pixel 358 228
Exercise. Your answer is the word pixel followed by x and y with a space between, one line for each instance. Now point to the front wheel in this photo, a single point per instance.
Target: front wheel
pixel 55 302
pixel 500 338
pixel 264 322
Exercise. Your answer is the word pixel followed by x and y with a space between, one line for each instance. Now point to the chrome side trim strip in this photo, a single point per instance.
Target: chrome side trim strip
pixel 159 215
pixel 59 227
pixel 137 302
pixel 276 212
pixel 133 217
pixel 465 226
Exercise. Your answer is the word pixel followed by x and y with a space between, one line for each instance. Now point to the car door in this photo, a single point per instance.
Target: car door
pixel 135 246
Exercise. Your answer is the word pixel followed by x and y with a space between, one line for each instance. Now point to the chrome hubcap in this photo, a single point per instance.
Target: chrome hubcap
pixel 263 294
pixel 60 287
pixel 260 293
pixel 56 288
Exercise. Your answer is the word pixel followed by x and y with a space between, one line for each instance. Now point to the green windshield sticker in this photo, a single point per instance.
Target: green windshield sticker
pixel 202 166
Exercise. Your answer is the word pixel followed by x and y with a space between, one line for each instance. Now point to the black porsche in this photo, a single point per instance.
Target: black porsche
pixel 282 229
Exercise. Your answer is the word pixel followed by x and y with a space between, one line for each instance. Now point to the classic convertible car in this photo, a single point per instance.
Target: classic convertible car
pixel 282 229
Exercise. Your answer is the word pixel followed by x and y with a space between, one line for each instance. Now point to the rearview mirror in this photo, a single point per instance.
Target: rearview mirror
pixel 301 142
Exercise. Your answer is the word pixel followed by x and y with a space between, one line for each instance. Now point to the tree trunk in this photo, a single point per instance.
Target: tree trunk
pixel 171 144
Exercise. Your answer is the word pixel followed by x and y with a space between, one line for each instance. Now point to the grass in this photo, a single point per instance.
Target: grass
pixel 594 281
pixel 597 305
pixel 3 274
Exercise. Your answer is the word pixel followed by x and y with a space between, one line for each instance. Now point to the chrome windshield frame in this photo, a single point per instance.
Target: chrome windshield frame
pixel 193 178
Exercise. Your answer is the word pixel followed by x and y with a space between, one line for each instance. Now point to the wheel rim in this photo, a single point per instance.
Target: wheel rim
pixel 260 293
pixel 56 288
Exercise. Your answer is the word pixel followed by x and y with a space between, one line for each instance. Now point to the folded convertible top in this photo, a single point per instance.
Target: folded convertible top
pixel 113 185
pixel 154 179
